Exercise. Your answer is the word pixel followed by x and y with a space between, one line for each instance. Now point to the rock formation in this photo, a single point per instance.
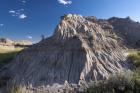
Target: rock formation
pixel 78 51
pixel 128 29
pixel 125 28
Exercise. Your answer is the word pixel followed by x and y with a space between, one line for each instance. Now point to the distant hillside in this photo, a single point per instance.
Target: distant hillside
pixel 9 42
pixel 22 42
pixel 6 42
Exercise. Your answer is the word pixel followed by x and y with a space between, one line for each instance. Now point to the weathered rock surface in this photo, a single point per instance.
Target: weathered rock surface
pixel 127 29
pixel 77 52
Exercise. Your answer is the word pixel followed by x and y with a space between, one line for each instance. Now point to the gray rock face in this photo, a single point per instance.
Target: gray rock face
pixel 127 29
pixel 77 52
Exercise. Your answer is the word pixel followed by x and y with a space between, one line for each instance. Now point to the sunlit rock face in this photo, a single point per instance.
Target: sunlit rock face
pixel 78 51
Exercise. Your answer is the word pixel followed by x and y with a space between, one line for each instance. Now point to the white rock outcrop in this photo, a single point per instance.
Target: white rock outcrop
pixel 78 51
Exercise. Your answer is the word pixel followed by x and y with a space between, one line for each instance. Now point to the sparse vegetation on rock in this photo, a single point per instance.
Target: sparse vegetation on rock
pixel 124 82
pixel 135 58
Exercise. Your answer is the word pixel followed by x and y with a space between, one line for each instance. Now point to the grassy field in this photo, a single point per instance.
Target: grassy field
pixel 135 57
pixel 8 54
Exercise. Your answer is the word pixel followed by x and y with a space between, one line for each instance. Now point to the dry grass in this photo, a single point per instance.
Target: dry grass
pixel 134 56
pixel 9 49
pixel 7 54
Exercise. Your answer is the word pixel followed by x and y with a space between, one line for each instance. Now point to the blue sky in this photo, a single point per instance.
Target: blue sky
pixel 29 19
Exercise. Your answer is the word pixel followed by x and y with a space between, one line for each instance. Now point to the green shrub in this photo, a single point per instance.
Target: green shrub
pixel 135 58
pixel 124 82
pixel 110 34
pixel 138 53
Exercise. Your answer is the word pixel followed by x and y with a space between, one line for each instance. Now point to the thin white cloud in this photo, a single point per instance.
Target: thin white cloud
pixel 29 37
pixel 18 13
pixel 64 2
pixel 1 25
pixel 21 9
pixel 22 16
pixel 24 1
pixel 12 11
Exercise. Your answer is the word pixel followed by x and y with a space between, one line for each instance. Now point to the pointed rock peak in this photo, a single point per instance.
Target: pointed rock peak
pixel 75 25
pixel 71 16
pixel 77 53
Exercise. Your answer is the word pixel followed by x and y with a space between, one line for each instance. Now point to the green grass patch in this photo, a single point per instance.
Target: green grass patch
pixel 6 57
pixel 134 56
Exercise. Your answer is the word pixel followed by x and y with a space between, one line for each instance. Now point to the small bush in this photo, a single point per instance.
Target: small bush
pixel 138 53
pixel 135 58
pixel 111 35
